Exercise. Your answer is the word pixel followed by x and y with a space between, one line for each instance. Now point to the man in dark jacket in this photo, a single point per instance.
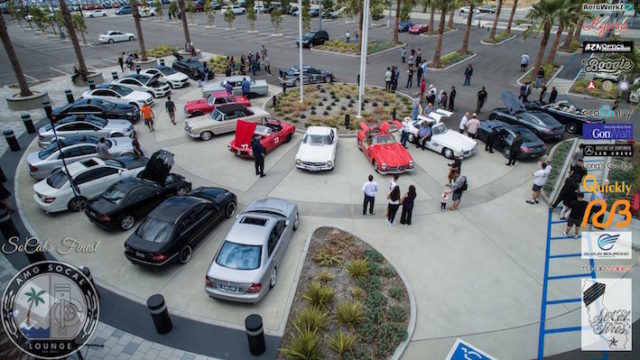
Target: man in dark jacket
pixel 482 97
pixel 567 196
pixel 578 171
pixel 452 97
pixel 258 156
pixel 494 135
pixel 515 149
pixel 467 75
pixel 578 208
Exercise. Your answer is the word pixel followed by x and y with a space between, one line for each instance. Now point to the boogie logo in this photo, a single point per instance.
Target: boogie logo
pixel 610 66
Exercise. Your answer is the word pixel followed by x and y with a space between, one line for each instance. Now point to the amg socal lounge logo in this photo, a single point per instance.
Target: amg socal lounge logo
pixel 606 315
pixel 607 46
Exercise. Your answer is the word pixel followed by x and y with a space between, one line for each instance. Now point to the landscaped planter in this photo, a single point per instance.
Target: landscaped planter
pixel 500 39
pixel 147 64
pixel 96 77
pixel 352 48
pixel 188 54
pixel 452 59
pixel 17 102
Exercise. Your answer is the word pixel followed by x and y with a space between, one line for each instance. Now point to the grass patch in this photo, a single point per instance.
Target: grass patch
pixel 161 51
pixel 340 46
pixel 342 342
pixel 318 295
pixel 349 312
pixel 452 58
pixel 549 71
pixel 312 318
pixel 498 38
pixel 304 345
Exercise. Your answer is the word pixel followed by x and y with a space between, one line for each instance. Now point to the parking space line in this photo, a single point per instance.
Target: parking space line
pixel 30 77
pixel 59 71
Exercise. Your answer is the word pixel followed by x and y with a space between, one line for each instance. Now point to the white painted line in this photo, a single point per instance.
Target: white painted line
pixel 31 77
pixel 59 71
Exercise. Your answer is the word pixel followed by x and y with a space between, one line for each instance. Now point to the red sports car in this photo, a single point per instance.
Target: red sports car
pixel 381 148
pixel 418 28
pixel 206 106
pixel 272 133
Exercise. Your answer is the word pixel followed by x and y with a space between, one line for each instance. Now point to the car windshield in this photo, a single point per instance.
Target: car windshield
pixel 292 71
pixel 438 129
pixel 308 35
pixel 154 230
pixel 211 100
pixel 46 152
pixel 239 256
pixel 114 194
pixel 58 179
pixel 317 140
pixel 100 122
pixel 143 78
pixel 168 71
pixel 383 139
pixel 217 115
pixel 122 90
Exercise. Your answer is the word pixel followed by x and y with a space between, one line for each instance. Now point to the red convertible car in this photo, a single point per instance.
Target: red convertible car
pixel 272 133
pixel 206 106
pixel 381 148
pixel 418 28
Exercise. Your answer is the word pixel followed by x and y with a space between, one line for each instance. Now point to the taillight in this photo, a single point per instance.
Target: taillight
pixel 254 288
pixel 49 199
pixel 159 257
pixel 548 131
pixel 40 137
pixel 127 248
pixel 207 281
pixel 525 149
pixel 32 168
pixel 105 217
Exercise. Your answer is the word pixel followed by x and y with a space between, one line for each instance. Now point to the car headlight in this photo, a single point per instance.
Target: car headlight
pixel 384 166
pixel 329 163
pixel 129 114
pixel 410 164
pixel 298 161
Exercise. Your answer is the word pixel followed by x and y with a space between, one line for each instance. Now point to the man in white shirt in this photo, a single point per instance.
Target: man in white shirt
pixel 394 182
pixel 540 177
pixel 387 79
pixel 524 61
pixel 463 123
pixel 370 188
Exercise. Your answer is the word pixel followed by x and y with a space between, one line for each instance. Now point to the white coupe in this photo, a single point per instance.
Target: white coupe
pixel 318 149
pixel 119 94
pixel 91 177
pixel 175 78
pixel 111 36
pixel 152 84
pixel 94 13
pixel 447 142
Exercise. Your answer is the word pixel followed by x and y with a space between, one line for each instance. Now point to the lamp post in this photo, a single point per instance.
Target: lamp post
pixel 389 17
pixel 300 47
pixel 363 56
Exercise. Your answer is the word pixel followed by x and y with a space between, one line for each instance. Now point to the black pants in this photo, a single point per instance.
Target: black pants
pixel 473 136
pixel 410 81
pixel 479 106
pixel 450 107
pixel 405 217
pixel 489 146
pixel 370 200
pixel 259 162
pixel 388 85
pixel 393 209
pixel 512 157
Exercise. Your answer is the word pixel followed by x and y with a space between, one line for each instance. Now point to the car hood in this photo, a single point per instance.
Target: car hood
pixel 510 100
pixel 118 124
pixel 315 153
pixel 138 95
pixel 271 204
pixel 158 167
pixel 391 154
pixel 244 132
pixel 177 77
pixel 454 140
pixel 121 144
pixel 196 104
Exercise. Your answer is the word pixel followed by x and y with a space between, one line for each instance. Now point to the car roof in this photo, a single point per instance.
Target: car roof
pixel 128 184
pixel 251 229
pixel 84 165
pixel 226 108
pixel 172 209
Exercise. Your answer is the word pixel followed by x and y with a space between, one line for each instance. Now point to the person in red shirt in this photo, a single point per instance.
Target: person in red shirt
pixel 423 87
pixel 148 116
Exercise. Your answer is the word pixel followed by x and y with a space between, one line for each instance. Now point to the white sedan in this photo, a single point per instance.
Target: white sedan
pixel 151 84
pixel 236 9
pixel 318 149
pixel 111 36
pixel 146 11
pixel 91 177
pixel 119 94
pixel 172 76
pixel 94 13
pixel 443 141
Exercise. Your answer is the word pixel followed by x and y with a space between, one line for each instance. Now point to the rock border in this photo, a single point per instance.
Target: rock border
pixel 513 36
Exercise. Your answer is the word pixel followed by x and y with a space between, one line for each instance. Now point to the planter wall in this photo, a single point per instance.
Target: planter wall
pixel 96 77
pixel 16 102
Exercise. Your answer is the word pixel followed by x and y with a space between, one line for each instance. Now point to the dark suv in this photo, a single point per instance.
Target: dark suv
pixel 314 38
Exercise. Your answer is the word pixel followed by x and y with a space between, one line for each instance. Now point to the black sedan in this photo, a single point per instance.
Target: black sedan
pixel 567 113
pixel 532 146
pixel 313 38
pixel 189 67
pixel 128 200
pixel 99 107
pixel 175 227
pixel 310 75
pixel 542 124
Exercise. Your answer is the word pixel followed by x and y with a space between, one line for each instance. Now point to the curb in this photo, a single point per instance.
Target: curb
pixel 402 44
pixel 436 35
pixel 519 81
pixel 513 36
pixel 454 64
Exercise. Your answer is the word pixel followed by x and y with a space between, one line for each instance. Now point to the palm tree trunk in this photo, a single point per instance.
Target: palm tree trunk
pixel 568 39
pixel 513 11
pixel 71 31
pixel 395 29
pixel 438 51
pixel 360 35
pixel 433 10
pixel 576 34
pixel 543 46
pixel 465 41
pixel 492 35
pixel 185 27
pixel 554 47
pixel 83 39
pixel 136 19
pixel 28 310
pixel 450 25
pixel 13 58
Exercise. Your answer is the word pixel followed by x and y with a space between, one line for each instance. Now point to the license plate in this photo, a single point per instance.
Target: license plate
pixel 229 288
pixel 139 254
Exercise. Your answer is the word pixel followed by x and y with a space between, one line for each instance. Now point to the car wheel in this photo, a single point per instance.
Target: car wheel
pixel 448 153
pixel 288 138
pixel 359 146
pixel 273 278
pixel 77 203
pixel 185 254
pixel 111 41
pixel 206 136
pixel 296 83
pixel 105 14
pixel 90 16
pixel 127 222
pixel 296 222
pixel 230 210
pixel 182 191
pixel 130 38
pixel 506 152
pixel 411 138
pixel 327 79
pixel 572 128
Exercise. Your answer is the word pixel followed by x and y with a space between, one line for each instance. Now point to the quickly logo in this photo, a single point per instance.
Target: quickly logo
pixel 607 241
pixel 610 66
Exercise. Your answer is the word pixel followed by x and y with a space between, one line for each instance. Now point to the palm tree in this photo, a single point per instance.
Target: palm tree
pixel 451 13
pixel 395 29
pixel 136 19
pixel 33 298
pixel 543 14
pixel 492 35
pixel 513 11
pixel 465 42
pixel 185 26
pixel 71 31
pixel 443 6
pixel 564 16
pixel 576 25
pixel 13 59
pixel 433 10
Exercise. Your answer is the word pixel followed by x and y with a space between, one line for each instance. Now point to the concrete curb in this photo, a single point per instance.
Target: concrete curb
pixel 519 81
pixel 454 64
pixel 436 35
pixel 357 56
pixel 513 36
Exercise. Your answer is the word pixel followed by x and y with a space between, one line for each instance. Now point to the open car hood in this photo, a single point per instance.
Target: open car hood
pixel 158 167
pixel 510 100
pixel 244 132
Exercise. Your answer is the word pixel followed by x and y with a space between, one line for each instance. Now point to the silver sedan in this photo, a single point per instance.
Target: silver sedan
pixel 246 265
pixel 75 125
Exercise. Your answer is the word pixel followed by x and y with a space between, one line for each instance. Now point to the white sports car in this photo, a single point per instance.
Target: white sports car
pixel 94 13
pixel 119 94
pixel 447 142
pixel 174 78
pixel 91 177
pixel 318 149
pixel 152 84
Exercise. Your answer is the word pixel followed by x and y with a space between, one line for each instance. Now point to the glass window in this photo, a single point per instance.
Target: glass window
pixel 46 152
pixel 239 256
pixel 317 140
pixel 384 139
pixel 114 194
pixel 58 179
pixel 154 230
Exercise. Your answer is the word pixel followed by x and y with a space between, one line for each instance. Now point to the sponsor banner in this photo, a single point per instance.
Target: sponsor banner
pixel 609 66
pixel 603 7
pixel 620 131
pixel 625 150
pixel 606 245
pixel 607 46
pixel 606 315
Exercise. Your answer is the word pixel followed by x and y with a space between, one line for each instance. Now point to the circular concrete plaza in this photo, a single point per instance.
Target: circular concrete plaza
pixel 476 273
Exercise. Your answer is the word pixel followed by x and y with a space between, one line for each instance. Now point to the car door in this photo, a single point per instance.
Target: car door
pixel 201 218
pixel 276 243
pixel 145 199
pixel 314 75
pixel 86 109
pixel 117 36
pixel 107 94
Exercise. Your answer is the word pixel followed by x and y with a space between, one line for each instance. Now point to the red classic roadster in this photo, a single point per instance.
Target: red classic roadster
pixel 272 133
pixel 206 106
pixel 382 150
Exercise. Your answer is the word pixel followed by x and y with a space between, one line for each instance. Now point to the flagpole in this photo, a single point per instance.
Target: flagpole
pixel 300 48
pixel 363 56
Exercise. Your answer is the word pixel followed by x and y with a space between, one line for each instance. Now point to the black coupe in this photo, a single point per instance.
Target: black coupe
pixel 172 230
pixel 532 146
pixel 99 107
pixel 567 113
pixel 192 67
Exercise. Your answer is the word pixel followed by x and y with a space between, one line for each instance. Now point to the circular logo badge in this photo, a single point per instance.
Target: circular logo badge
pixel 623 86
pixel 50 310
pixel 589 150
pixel 607 85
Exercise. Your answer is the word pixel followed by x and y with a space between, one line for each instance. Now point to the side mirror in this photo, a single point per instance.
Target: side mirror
pixel 287 223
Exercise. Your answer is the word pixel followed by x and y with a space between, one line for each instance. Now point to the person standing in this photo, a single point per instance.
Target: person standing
pixel 543 93
pixel 347 36
pixel 387 79
pixel 423 87
pixel 246 87
pixel 467 75
pixel 404 135
pixel 424 69
pixel 524 62
pixel 103 150
pixel 403 54
pixel 369 189
pixel 171 109
pixel 514 151
pixel 452 97
pixel 416 108
pixel 407 205
pixel 393 182
pixel 463 123
pixel 472 126
pixel 442 102
pixel 454 167
pixel 578 171
pixel 396 78
pixel 445 197
pixel 409 77
pixel 553 95
pixel 539 76
pixel 527 92
pixel 578 208
pixel 540 177
pixel 121 62
pixel 458 187
pixel 228 88
pixel 567 195
pixel 264 51
pixel 419 71
pixel 411 60
pixel 148 116
pixel 394 204
pixel 482 97
pixel 357 36
pixel 419 57
pixel 258 156
pixel 494 135
pixel 137 149
pixel 267 65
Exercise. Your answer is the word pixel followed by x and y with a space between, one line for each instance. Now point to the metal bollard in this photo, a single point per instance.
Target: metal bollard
pixel 47 108
pixel 347 119
pixel 393 114
pixel 69 95
pixel 85 270
pixel 28 123
pixel 162 62
pixel 92 84
pixel 138 68
pixel 34 254
pixel 114 75
pixel 11 140
pixel 255 334
pixel 275 101
pixel 3 177
pixel 159 313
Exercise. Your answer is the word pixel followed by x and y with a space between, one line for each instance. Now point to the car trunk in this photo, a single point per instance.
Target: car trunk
pixel 158 167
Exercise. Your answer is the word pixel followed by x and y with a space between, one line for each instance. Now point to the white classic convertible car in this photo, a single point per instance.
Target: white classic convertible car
pixel 447 142
pixel 318 149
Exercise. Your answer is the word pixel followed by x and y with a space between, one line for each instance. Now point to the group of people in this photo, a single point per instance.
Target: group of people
pixel 127 60
pixel 250 63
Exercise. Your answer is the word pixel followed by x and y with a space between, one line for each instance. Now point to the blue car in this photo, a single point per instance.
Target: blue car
pixel 404 25
pixel 123 10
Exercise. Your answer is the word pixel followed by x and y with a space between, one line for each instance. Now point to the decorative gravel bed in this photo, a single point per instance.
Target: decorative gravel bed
pixel 349 303
pixel 341 46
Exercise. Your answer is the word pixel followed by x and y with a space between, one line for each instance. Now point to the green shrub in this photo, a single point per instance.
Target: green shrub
pixel 349 312
pixel 312 318
pixel 328 256
pixel 325 276
pixel 318 295
pixel 396 293
pixel 397 314
pixel 357 292
pixel 369 283
pixel 320 103
pixel 358 268
pixel 328 107
pixel 375 299
pixel 388 272
pixel 343 108
pixel 305 345
pixel 303 116
pixel 389 336
pixel 325 113
pixel 342 342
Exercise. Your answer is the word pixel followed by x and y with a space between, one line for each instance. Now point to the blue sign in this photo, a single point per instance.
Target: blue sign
pixel 607 131
pixel 464 351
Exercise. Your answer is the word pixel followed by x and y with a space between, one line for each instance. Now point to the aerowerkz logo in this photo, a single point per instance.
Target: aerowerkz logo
pixel 607 46
pixel 49 310
pixel 606 315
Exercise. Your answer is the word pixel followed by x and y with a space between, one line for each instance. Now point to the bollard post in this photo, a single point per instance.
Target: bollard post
pixel 114 75
pixel 3 177
pixel 347 119
pixel 85 270
pixel 11 140
pixel 69 95
pixel 138 68
pixel 275 102
pixel 92 84
pixel 47 108
pixel 393 114
pixel 255 334
pixel 159 313
pixel 162 62
pixel 34 253
pixel 28 123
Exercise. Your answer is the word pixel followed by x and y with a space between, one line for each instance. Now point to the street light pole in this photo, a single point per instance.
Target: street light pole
pixel 363 56
pixel 389 17
pixel 300 48
pixel 320 17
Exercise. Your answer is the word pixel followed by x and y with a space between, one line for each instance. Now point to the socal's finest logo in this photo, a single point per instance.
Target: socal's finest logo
pixel 606 315
pixel 49 310
pixel 602 27
pixel 610 66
